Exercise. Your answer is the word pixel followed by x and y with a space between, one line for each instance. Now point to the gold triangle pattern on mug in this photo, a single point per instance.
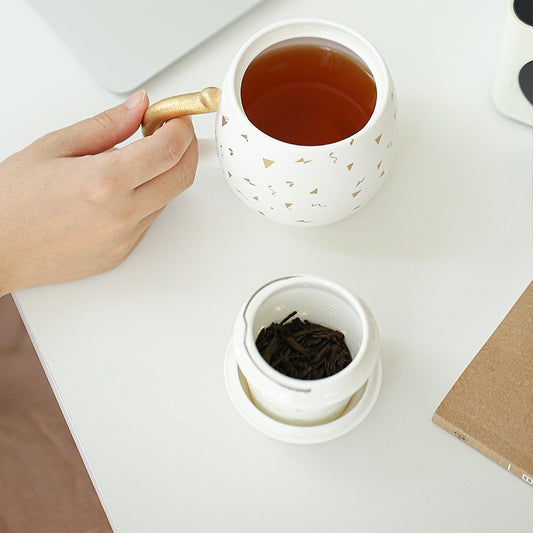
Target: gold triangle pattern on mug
pixel 301 186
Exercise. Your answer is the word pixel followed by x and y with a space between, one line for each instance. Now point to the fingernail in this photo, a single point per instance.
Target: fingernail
pixel 134 100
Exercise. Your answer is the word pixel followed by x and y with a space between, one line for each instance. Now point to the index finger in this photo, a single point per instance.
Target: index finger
pixel 147 158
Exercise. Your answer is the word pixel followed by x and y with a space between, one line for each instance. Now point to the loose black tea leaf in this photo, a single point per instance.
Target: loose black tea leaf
pixel 303 350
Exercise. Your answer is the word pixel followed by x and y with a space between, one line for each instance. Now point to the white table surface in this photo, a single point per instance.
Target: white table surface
pixel 135 356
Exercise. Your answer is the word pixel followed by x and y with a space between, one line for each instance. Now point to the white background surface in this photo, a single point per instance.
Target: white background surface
pixel 135 356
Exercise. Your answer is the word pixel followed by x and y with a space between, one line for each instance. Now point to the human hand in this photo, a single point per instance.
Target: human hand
pixel 73 205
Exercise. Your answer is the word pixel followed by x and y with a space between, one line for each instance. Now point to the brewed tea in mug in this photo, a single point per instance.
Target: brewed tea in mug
pixel 308 92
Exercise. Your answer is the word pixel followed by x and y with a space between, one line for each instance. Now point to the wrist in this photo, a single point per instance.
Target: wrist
pixel 5 287
pixel 4 291
pixel 7 283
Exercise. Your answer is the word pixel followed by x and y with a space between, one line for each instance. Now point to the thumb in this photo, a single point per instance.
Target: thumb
pixel 103 131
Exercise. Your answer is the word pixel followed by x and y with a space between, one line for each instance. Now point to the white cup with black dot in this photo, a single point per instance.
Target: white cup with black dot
pixel 513 82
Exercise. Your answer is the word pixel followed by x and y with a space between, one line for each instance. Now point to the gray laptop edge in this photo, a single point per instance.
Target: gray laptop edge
pixel 123 43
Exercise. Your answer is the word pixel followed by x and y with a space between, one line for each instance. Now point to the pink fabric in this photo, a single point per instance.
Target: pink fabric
pixel 44 486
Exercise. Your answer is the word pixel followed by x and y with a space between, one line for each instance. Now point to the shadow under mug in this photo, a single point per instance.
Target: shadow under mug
pixel 293 184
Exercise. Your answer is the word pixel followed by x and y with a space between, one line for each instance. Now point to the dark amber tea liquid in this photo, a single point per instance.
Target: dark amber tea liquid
pixel 308 93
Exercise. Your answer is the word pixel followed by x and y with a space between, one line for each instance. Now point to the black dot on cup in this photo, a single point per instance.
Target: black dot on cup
pixel 525 80
pixel 524 11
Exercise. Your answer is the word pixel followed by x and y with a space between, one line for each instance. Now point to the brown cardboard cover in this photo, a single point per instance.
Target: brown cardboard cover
pixel 490 407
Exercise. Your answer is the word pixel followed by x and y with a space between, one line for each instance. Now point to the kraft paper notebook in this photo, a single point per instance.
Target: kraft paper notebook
pixel 490 407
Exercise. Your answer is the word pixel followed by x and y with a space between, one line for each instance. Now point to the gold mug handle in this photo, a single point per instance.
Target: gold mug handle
pixel 205 101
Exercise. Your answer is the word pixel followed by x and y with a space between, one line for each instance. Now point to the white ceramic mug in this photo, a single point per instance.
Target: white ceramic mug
pixel 294 184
